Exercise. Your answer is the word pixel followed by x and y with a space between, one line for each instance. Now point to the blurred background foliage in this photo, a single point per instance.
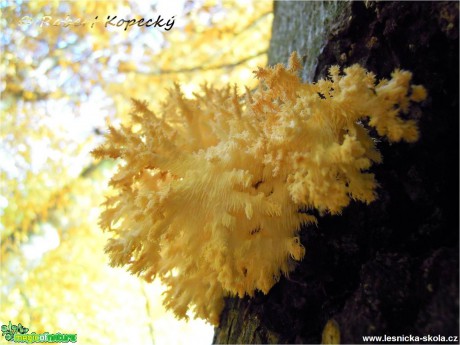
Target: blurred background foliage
pixel 60 85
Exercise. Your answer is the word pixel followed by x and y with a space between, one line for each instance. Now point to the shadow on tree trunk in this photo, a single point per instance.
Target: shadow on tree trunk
pixel 390 267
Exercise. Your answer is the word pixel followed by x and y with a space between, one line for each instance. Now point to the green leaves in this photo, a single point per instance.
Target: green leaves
pixel 9 331
pixel 22 329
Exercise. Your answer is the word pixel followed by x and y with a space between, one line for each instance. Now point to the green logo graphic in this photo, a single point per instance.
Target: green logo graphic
pixel 9 331
pixel 18 334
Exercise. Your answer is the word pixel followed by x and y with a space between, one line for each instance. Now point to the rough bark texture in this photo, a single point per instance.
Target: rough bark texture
pixel 390 267
pixel 303 27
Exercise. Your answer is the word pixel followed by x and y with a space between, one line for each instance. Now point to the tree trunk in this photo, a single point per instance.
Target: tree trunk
pixel 390 267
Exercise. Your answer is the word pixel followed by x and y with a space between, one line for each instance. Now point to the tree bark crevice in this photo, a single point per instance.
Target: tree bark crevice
pixel 390 267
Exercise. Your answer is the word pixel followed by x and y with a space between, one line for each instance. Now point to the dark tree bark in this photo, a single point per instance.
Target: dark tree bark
pixel 390 267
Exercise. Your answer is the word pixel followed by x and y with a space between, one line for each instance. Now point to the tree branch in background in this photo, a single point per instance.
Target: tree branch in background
pixel 148 310
pixel 204 68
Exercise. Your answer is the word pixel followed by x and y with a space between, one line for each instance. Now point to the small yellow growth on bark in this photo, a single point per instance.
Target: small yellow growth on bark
pixel 331 333
pixel 212 191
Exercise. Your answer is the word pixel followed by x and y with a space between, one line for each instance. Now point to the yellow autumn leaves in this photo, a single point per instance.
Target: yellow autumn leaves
pixel 59 84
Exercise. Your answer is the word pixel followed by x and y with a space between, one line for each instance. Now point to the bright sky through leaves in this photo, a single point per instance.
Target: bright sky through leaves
pixel 59 88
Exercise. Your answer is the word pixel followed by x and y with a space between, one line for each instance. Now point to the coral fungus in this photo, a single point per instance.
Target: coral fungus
pixel 212 191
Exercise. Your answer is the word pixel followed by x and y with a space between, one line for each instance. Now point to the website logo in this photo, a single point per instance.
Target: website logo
pixel 18 334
